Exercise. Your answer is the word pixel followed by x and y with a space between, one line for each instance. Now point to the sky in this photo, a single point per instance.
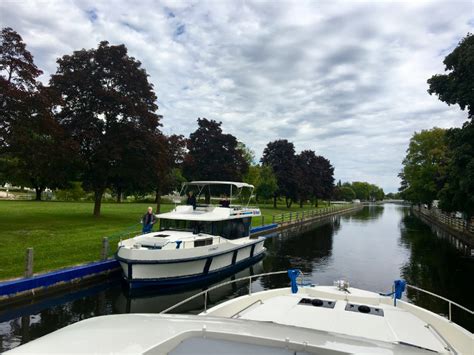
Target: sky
pixel 346 79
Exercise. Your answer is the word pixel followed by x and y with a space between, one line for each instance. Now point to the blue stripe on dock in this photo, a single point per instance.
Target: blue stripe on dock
pixel 51 278
pixel 263 228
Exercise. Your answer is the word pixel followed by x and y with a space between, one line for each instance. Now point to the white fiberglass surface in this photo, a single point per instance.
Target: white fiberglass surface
pixel 199 345
pixel 396 325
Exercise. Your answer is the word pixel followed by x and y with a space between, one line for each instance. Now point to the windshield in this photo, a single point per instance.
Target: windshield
pixel 230 229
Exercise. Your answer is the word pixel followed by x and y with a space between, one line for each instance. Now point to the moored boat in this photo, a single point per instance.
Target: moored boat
pixel 195 241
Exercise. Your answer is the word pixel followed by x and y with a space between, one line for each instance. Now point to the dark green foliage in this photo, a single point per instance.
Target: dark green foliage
pixel 363 191
pixel 424 167
pixel 280 156
pixel 213 155
pixel 344 193
pixel 457 87
pixel 458 192
pixel 315 176
pixel 108 107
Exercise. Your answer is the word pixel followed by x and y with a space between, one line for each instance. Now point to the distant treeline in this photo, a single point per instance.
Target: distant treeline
pixel 95 128
pixel 439 164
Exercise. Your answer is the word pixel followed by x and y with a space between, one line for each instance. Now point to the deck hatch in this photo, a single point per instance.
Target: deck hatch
pixel 316 302
pixel 361 308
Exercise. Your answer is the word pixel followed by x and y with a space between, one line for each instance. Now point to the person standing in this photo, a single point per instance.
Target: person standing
pixel 191 200
pixel 148 220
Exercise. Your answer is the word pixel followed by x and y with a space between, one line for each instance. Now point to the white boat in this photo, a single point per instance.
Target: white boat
pixel 297 320
pixel 195 242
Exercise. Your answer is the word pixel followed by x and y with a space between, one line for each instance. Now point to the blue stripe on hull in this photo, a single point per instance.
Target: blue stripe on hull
pixel 200 278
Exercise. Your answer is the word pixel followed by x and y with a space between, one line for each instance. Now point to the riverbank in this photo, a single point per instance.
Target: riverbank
pixel 461 235
pixel 64 234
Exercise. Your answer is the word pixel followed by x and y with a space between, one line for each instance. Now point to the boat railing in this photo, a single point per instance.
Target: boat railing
pixel 302 280
pixel 206 291
pixel 450 303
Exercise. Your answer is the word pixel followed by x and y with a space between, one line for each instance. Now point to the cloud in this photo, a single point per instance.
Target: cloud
pixel 346 79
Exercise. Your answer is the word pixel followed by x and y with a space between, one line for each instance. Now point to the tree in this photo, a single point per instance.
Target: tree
pixel 315 176
pixel 107 107
pixel 424 167
pixel 325 181
pixel 361 190
pixel 18 75
pixel 42 153
pixel 457 87
pixel 247 153
pixel 213 155
pixel 346 193
pixel 280 156
pixel 458 192
pixel 168 173
pixel 264 181
pixel 267 183
pixel 34 145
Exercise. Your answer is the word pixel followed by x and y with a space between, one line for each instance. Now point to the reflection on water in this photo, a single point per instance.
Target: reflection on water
pixel 369 248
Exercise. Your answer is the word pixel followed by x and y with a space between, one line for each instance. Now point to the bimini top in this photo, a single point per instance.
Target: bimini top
pixel 234 183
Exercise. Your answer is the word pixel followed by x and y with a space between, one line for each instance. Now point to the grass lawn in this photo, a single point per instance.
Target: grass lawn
pixel 65 233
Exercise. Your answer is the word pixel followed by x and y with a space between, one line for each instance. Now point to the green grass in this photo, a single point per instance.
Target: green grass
pixel 65 233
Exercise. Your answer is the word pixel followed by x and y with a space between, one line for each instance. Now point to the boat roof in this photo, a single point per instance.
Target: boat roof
pixel 208 214
pixel 234 183
pixel 193 334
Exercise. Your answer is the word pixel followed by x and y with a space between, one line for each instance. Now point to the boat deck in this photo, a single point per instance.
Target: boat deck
pixel 395 325
pixel 356 313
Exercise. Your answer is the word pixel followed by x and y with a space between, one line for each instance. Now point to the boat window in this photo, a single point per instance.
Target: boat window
pixel 189 226
pixel 202 242
pixel 232 229
pixel 229 229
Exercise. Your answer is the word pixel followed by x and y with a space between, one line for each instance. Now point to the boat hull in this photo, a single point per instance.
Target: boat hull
pixel 143 273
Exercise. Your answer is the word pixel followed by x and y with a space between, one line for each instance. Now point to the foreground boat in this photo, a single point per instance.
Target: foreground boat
pixel 304 319
pixel 197 241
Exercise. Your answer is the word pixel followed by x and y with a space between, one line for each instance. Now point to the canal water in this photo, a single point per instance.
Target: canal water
pixel 370 248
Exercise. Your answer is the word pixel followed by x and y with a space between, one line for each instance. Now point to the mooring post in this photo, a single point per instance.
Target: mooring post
pixel 105 248
pixel 29 262
pixel 291 215
pixel 282 218
pixel 273 219
pixel 263 220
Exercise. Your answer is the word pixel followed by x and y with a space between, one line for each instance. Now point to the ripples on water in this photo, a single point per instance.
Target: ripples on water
pixel 369 248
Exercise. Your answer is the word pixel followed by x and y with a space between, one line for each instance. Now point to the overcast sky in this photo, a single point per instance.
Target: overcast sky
pixel 346 79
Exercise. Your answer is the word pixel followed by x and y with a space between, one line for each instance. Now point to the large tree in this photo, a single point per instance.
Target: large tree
pixel 280 156
pixel 315 176
pixel 36 152
pixel 213 155
pixel 41 152
pixel 424 167
pixel 457 86
pixel 458 192
pixel 107 106
pixel 18 74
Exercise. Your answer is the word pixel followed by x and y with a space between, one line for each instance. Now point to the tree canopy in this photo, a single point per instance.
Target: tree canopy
pixel 424 167
pixel 458 192
pixel 457 86
pixel 279 155
pixel 108 107
pixel 213 155
pixel 315 176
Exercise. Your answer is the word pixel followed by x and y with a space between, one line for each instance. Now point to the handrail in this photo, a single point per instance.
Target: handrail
pixel 251 277
pixel 205 292
pixel 444 299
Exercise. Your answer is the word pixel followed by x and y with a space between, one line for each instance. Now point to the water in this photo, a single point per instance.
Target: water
pixel 370 248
